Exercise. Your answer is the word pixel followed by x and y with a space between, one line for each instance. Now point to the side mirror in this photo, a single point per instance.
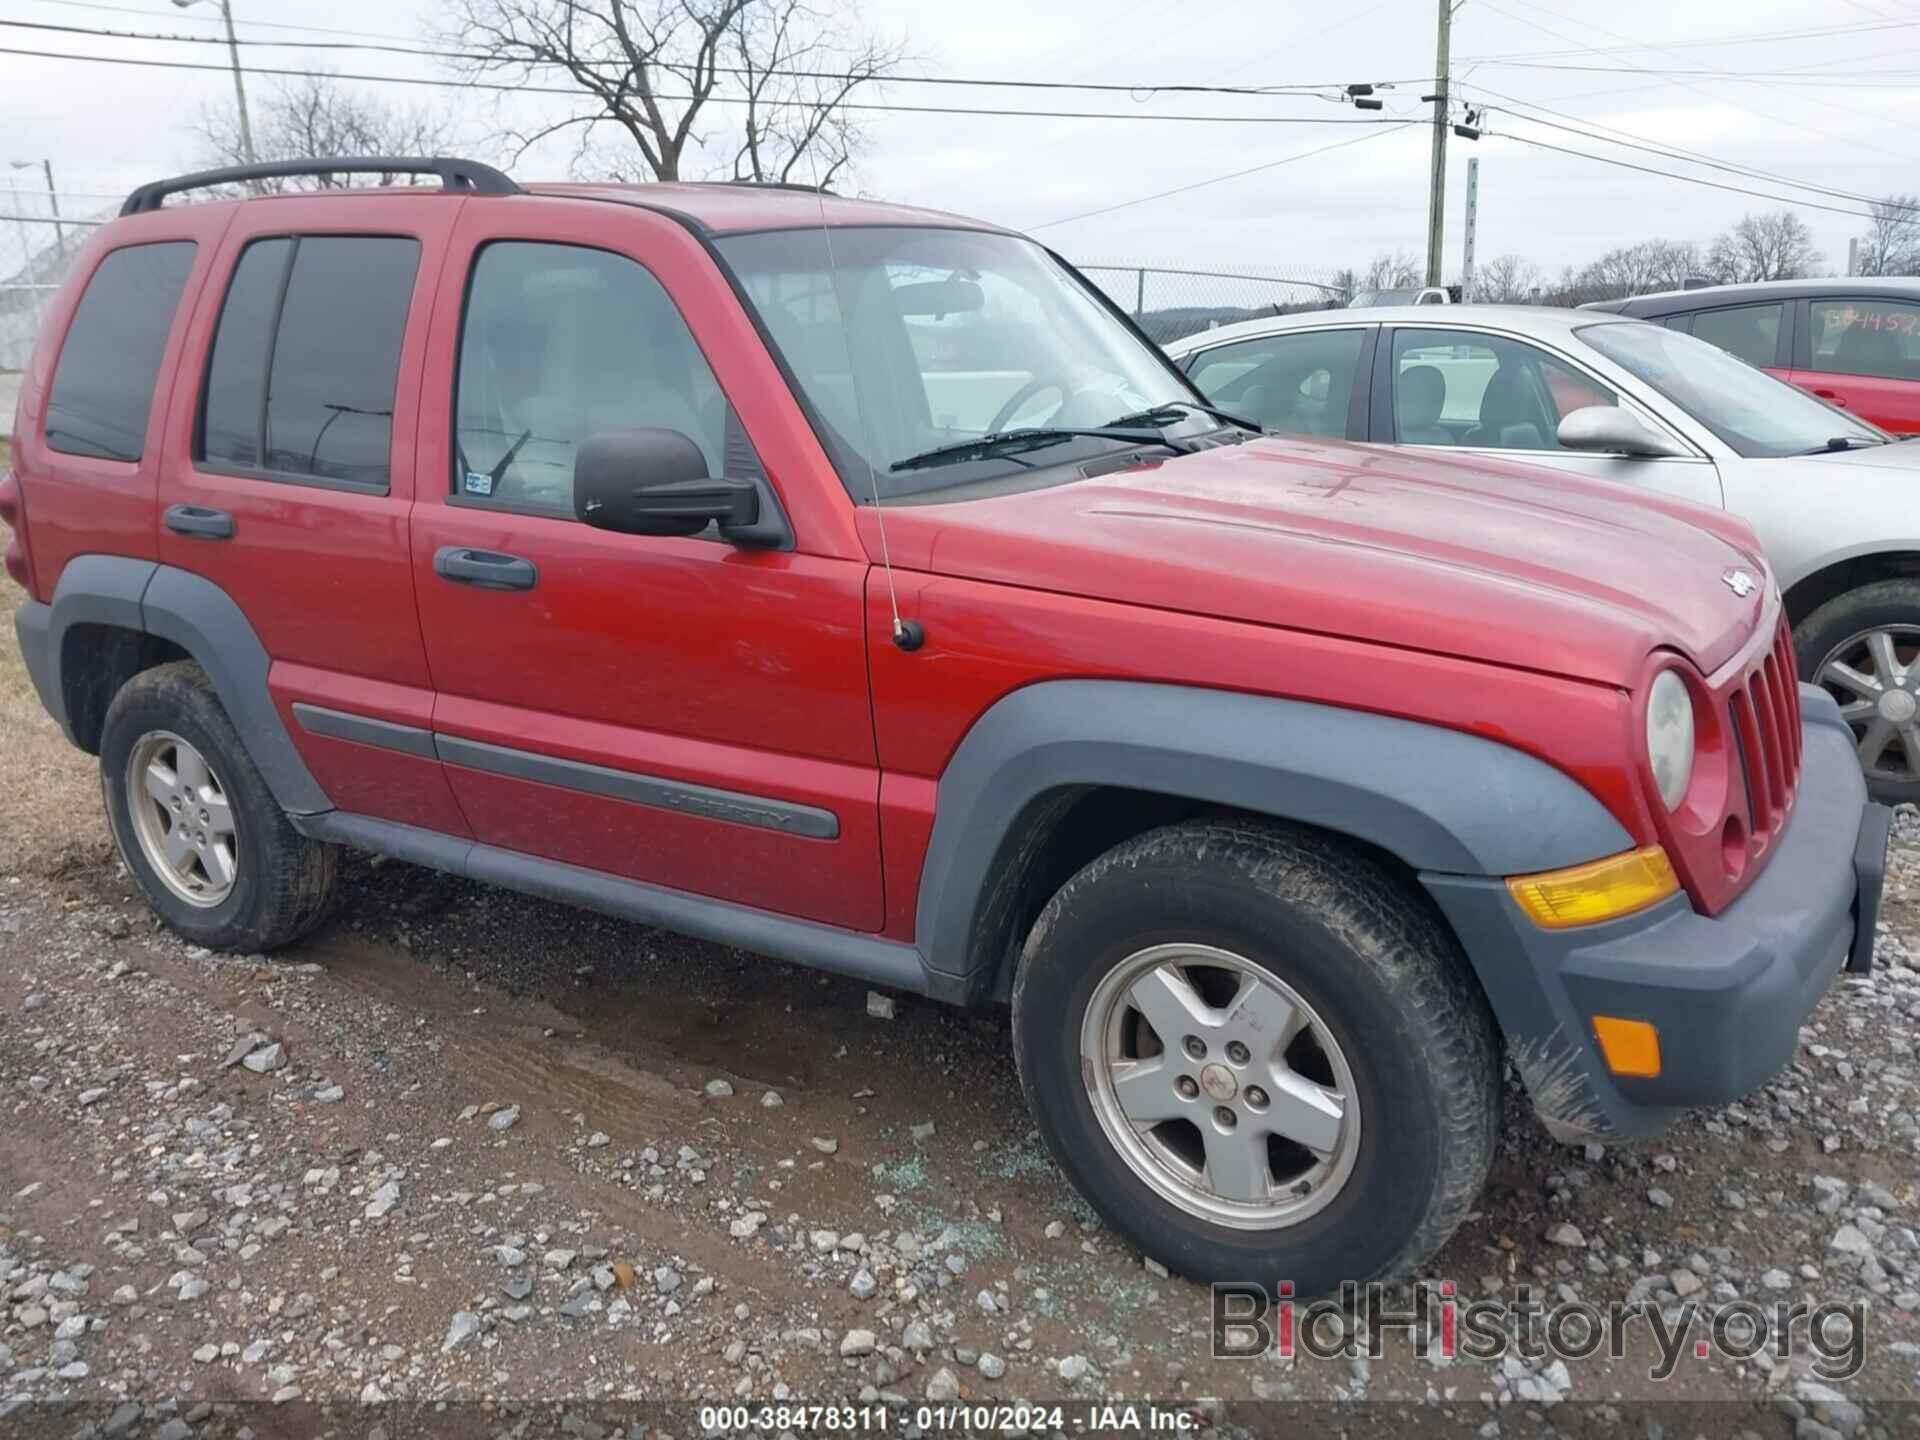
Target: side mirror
pixel 1614 430
pixel 655 482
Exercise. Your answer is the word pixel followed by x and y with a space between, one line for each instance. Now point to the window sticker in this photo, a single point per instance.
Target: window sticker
pixel 478 482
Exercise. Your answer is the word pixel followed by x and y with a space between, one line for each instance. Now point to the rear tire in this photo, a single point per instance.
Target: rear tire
pixel 1333 1004
pixel 202 835
pixel 1863 648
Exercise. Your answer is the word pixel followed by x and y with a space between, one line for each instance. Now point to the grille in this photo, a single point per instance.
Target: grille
pixel 1766 716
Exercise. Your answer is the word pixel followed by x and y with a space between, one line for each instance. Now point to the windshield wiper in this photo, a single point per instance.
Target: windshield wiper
pixel 1174 411
pixel 1843 442
pixel 1010 442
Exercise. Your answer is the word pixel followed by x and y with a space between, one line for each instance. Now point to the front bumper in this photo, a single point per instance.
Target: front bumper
pixel 1727 994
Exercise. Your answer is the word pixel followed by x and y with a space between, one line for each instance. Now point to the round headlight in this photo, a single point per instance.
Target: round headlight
pixel 1670 736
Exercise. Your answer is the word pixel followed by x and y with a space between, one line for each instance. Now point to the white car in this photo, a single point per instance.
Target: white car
pixel 1835 501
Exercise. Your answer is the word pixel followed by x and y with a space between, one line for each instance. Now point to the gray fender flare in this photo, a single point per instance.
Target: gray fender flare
pixel 1439 799
pixel 201 619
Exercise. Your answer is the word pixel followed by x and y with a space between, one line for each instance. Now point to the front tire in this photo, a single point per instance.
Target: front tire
pixel 1863 648
pixel 202 835
pixel 1259 1055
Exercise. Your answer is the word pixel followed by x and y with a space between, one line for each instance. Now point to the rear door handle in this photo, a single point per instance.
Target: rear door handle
pixel 199 521
pixel 487 569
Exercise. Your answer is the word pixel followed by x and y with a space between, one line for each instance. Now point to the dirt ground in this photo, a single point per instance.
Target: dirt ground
pixel 520 1169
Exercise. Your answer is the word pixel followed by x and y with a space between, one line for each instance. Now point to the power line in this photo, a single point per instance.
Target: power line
pixel 214 20
pixel 1222 179
pixel 474 56
pixel 1610 135
pixel 1762 37
pixel 1674 175
pixel 711 99
pixel 1614 34
pixel 1801 78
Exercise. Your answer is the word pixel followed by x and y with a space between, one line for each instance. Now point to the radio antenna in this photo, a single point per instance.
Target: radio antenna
pixel 907 634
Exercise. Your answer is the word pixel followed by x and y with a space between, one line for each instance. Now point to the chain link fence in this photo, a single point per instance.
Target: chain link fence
pixel 40 233
pixel 1171 303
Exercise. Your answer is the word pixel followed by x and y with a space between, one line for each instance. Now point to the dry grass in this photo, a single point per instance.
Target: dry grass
pixel 50 817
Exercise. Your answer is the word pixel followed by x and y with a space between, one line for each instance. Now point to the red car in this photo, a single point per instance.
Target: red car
pixel 1853 342
pixel 856 585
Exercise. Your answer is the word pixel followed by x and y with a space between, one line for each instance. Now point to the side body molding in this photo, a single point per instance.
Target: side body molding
pixel 1441 800
pixel 201 619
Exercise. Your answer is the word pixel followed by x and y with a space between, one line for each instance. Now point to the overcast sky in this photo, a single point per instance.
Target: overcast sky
pixel 1842 118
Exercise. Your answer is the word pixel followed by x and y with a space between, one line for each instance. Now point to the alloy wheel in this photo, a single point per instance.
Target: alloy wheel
pixel 1875 676
pixel 1220 1086
pixel 182 819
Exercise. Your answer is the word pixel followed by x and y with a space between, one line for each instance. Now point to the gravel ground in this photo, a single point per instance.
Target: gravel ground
pixel 470 1155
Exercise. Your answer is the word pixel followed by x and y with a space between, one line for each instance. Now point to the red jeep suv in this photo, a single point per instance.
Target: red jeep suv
pixel 856 585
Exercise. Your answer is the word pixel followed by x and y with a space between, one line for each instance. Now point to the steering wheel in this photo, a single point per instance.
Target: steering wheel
pixel 1026 392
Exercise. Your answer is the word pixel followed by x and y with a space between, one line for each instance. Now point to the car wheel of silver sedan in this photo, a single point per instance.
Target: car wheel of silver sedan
pixel 1863 649
pixel 1875 676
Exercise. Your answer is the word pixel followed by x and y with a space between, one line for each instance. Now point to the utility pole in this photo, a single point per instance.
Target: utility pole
pixel 1437 182
pixel 53 199
pixel 1473 217
pixel 239 85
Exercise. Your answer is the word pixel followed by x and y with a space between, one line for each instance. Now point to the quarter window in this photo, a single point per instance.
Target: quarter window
pixel 562 342
pixel 1866 337
pixel 1751 332
pixel 1456 387
pixel 1301 384
pixel 301 381
pixel 103 387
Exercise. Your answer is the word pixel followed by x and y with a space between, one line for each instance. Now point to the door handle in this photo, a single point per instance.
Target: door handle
pixel 199 521
pixel 1832 397
pixel 487 569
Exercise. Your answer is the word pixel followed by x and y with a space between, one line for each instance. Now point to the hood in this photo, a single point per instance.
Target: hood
pixel 1903 455
pixel 1418 550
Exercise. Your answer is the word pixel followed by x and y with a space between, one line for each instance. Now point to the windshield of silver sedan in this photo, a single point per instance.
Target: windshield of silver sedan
pixel 936 358
pixel 1758 416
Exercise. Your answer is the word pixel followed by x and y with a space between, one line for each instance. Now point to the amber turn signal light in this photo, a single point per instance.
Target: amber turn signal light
pixel 1630 1047
pixel 1599 890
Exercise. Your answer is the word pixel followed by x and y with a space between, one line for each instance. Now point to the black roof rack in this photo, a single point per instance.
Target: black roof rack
pixel 464 175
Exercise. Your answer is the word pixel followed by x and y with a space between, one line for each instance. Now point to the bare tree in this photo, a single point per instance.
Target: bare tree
pixel 1506 280
pixel 1637 269
pixel 1891 245
pixel 1395 270
pixel 318 115
pixel 660 73
pixel 1774 246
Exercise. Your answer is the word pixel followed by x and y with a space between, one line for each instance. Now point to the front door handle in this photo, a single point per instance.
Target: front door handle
pixel 199 521
pixel 487 569
pixel 1832 397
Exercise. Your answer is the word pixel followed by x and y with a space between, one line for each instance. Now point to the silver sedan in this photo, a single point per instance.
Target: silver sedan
pixel 1836 502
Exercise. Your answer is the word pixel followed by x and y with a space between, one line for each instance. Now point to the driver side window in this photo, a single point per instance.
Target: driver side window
pixel 1455 387
pixel 1298 384
pixel 968 335
pixel 562 342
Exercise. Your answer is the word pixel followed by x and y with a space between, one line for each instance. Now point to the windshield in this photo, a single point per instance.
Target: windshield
pixel 909 339
pixel 1757 415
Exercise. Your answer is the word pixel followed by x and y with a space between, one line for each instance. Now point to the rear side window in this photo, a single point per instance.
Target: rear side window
pixel 300 383
pixel 103 386
pixel 1750 331
pixel 237 374
pixel 1866 337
